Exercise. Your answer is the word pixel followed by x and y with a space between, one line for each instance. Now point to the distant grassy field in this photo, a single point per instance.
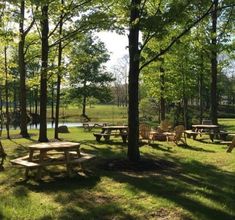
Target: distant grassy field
pixel 194 182
pixel 102 113
pixel 114 114
pixel 228 123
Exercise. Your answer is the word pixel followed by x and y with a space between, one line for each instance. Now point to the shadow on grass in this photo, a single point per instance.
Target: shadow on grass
pixel 161 147
pixel 56 182
pixel 190 188
pixel 204 191
pixel 188 147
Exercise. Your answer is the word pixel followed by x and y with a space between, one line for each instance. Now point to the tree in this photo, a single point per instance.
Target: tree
pixel 22 69
pixel 133 89
pixel 43 80
pixel 120 89
pixel 157 22
pixel 214 63
pixel 88 75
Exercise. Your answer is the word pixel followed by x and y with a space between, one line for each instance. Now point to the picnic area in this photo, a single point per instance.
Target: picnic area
pixel 115 110
pixel 172 181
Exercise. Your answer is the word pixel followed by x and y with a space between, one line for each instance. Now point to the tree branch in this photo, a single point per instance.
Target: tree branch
pixel 225 25
pixel 66 14
pixel 163 51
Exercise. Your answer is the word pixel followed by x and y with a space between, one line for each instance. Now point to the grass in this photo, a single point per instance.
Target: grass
pixel 195 182
pixel 97 113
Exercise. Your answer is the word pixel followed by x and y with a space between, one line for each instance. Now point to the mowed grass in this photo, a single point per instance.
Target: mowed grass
pixel 97 113
pixel 192 182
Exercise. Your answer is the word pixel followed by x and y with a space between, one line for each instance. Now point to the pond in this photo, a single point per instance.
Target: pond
pixel 49 125
pixel 52 125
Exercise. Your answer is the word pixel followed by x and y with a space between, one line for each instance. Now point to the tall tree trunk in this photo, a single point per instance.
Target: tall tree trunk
pixel 43 80
pixel 36 101
pixel 60 50
pixel 133 89
pixel 201 91
pixel 162 92
pixel 7 93
pixel 22 71
pixel 214 63
pixel 15 97
pixel 52 105
pixel 84 105
pixel 1 112
pixel 185 102
pixel 84 99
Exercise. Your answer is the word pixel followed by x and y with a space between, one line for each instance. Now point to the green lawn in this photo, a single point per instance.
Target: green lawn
pixel 194 182
pixel 97 113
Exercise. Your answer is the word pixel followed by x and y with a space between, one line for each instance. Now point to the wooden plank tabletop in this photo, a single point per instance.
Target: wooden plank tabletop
pixel 54 145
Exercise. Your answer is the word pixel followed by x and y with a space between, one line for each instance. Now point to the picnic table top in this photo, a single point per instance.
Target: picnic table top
pixel 204 126
pixel 116 127
pixel 54 145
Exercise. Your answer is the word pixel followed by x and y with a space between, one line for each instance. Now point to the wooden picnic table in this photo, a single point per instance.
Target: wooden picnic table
pixel 209 127
pixel 40 155
pixel 88 126
pixel 116 130
pixel 211 130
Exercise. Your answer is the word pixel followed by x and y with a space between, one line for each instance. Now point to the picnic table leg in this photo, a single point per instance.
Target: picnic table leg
pixel 124 138
pixel 79 155
pixel 98 137
pixel 106 138
pixel 194 136
pixel 41 158
pixel 31 151
pixel 68 165
pixel 230 148
pixel 212 137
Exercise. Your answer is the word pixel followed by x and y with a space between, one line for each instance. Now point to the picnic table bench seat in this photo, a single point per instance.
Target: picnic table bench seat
pixel 23 161
pixel 191 133
pixel 107 136
pixel 222 135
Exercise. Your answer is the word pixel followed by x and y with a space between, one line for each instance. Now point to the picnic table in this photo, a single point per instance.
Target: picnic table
pixel 42 155
pixel 108 131
pixel 211 130
pixel 88 126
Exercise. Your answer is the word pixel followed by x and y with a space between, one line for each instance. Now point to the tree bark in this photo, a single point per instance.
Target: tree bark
pixel 201 91
pixel 7 93
pixel 52 105
pixel 214 63
pixel 133 89
pixel 84 105
pixel 22 71
pixel 162 91
pixel 60 50
pixel 43 79
pixel 36 101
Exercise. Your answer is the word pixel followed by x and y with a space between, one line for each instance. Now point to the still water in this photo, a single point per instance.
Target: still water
pixel 51 125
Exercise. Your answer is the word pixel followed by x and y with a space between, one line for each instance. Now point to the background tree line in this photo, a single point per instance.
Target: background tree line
pixel 178 54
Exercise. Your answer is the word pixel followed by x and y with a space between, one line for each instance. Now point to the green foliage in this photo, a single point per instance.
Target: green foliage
pixel 88 76
pixel 148 109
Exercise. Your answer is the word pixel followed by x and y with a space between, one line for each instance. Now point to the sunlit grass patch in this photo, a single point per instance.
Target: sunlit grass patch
pixel 191 182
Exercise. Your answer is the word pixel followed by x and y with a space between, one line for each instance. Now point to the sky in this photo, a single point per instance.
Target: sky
pixel 116 44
